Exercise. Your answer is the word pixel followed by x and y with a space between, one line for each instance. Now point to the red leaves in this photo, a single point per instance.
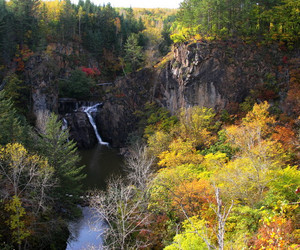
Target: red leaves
pixel 285 59
pixel 91 71
pixel 120 95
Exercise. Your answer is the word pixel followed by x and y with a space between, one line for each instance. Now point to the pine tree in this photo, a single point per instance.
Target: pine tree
pixel 10 125
pixel 134 55
pixel 62 155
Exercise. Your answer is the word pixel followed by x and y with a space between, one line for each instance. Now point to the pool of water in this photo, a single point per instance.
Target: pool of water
pixel 85 232
pixel 101 163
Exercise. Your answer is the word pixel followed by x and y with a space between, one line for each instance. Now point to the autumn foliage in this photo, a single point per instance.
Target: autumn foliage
pixel 274 234
pixel 90 71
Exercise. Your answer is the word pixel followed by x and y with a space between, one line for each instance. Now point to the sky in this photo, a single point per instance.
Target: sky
pixel 139 3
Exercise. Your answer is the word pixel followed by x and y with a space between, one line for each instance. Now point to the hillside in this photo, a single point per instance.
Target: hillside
pixel 203 103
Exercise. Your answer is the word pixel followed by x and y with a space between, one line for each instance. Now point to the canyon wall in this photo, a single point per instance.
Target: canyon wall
pixel 214 75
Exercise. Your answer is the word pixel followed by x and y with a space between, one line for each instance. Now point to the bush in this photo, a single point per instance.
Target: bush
pixel 77 86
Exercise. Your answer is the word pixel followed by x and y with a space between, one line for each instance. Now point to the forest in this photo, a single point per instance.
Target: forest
pixel 197 178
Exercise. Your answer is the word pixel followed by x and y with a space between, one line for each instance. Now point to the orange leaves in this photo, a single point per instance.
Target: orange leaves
pixel 117 23
pixel 274 234
pixel 293 95
pixel 22 55
pixel 194 197
pixel 285 135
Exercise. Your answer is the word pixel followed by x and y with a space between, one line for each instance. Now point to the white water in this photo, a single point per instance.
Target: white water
pixel 89 111
pixel 64 124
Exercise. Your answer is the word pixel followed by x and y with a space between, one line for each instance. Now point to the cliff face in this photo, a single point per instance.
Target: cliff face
pixel 213 75
pixel 116 119
pixel 216 74
pixel 80 129
pixel 45 69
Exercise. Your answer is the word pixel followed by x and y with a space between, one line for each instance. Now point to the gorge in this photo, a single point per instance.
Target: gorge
pixel 218 74
pixel 169 128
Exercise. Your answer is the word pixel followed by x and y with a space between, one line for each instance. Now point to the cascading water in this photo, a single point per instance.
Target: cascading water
pixel 89 111
pixel 64 124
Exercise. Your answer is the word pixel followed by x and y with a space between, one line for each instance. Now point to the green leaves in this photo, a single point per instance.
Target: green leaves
pixel 273 20
pixel 134 56
pixel 62 155
pixel 77 86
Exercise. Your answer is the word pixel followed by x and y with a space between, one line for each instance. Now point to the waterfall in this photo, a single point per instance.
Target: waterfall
pixel 64 124
pixel 89 111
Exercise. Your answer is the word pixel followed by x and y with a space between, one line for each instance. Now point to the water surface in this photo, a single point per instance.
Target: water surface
pixel 85 232
pixel 101 163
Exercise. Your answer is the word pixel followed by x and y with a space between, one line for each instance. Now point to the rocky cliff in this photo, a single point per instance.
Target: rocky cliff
pixel 215 74
pixel 44 70
pixel 212 74
pixel 116 119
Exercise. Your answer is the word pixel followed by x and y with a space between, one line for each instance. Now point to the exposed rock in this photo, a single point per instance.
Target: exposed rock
pixel 46 68
pixel 80 129
pixel 42 74
pixel 116 119
pixel 212 74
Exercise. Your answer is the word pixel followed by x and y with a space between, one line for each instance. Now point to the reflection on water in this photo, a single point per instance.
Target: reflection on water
pixel 85 232
pixel 101 162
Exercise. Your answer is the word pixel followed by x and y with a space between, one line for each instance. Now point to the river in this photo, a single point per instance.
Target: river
pixel 101 163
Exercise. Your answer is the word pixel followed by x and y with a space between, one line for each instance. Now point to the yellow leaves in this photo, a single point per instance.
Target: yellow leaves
pixel 166 181
pixel 15 222
pixel 16 156
pixel 243 179
pixel 195 124
pixel 189 238
pixel 180 152
pixel 255 126
pixel 159 142
pixel 54 9
pixel 259 117
pixel 24 173
pixel 253 137
pixel 216 161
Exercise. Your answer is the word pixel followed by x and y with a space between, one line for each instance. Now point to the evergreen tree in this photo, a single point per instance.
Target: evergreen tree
pixel 10 125
pixel 7 35
pixel 77 86
pixel 26 28
pixel 62 156
pixel 67 21
pixel 134 56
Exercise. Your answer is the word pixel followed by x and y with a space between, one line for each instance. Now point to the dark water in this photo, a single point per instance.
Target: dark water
pixel 101 163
